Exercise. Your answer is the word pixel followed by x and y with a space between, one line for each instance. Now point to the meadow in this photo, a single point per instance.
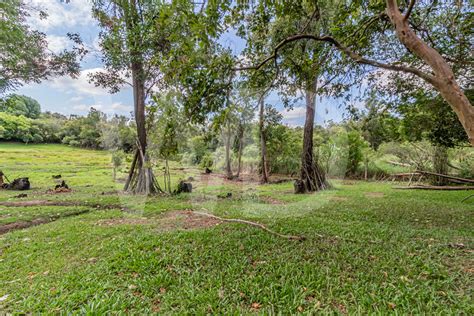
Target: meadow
pixel 368 247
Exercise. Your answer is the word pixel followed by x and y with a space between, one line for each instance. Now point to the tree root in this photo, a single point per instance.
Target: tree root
pixel 261 226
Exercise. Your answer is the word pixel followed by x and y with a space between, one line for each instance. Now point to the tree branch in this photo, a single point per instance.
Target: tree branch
pixel 315 15
pixel 410 8
pixel 351 54
pixel 258 225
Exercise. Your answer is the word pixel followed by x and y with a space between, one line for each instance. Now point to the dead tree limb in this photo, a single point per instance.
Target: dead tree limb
pixel 446 176
pixel 434 187
pixel 467 198
pixel 258 225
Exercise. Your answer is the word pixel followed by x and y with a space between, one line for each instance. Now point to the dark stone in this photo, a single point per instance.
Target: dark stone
pixel 57 176
pixel 62 185
pixel 184 187
pixel 299 187
pixel 208 171
pixel 19 184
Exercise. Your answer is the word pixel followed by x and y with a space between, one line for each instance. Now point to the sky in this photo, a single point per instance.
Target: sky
pixel 76 96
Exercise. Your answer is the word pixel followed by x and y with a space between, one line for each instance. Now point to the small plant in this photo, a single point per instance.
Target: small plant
pixel 117 161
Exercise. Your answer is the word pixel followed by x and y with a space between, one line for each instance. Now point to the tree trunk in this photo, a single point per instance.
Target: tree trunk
pixel 141 178
pixel 263 142
pixel 241 147
pixel 440 164
pixel 443 79
pixel 312 176
pixel 228 140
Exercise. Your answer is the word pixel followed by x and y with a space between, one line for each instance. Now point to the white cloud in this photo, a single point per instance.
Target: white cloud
pixel 77 98
pixel 79 85
pixel 293 114
pixel 120 107
pixel 84 107
pixel 60 14
pixel 57 43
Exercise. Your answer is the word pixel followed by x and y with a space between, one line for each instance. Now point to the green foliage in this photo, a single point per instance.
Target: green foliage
pixel 21 105
pixel 425 117
pixel 356 144
pixel 199 148
pixel 25 55
pixel 207 161
pixel 18 128
pixel 284 149
pixel 117 158
pixel 168 133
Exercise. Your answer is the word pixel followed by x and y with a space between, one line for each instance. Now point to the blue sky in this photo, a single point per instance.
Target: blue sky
pixel 76 96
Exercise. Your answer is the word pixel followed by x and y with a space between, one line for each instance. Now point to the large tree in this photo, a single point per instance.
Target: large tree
pixel 301 69
pixel 24 53
pixel 425 40
pixel 132 48
pixel 152 44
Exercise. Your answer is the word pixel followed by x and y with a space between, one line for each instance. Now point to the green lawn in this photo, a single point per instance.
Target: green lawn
pixel 381 250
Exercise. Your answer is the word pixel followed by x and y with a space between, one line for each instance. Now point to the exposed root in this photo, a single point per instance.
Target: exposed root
pixel 141 179
pixel 261 226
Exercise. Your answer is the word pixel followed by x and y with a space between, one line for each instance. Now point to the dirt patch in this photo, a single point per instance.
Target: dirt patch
pixel 338 198
pixel 29 203
pixel 37 221
pixel 349 182
pixel 186 220
pixel 22 225
pixel 63 203
pixel 172 220
pixel 219 179
pixel 270 200
pixel 125 221
pixel 374 194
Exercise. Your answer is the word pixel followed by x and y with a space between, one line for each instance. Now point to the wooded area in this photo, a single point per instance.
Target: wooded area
pixel 303 125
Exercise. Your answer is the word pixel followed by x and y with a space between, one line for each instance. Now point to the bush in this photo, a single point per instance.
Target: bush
pixel 18 128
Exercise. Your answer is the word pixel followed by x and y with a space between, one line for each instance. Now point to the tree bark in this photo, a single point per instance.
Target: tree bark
pixel 241 147
pixel 228 140
pixel 443 79
pixel 263 142
pixel 440 164
pixel 312 176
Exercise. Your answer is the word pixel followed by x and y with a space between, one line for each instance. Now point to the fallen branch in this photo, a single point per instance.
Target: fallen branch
pixel 467 198
pixel 261 226
pixel 399 163
pixel 446 176
pixel 434 187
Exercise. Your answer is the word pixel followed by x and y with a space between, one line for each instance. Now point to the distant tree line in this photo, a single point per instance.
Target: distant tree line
pixel 21 120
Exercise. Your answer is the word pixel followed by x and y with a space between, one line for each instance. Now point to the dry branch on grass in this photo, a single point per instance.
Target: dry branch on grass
pixel 434 187
pixel 261 226
pixel 457 179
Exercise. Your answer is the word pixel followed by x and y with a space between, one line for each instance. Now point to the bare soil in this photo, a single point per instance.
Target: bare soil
pixel 37 221
pixel 186 220
pixel 374 194
pixel 270 200
pixel 338 198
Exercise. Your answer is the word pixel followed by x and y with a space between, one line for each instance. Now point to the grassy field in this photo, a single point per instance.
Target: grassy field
pixel 368 248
